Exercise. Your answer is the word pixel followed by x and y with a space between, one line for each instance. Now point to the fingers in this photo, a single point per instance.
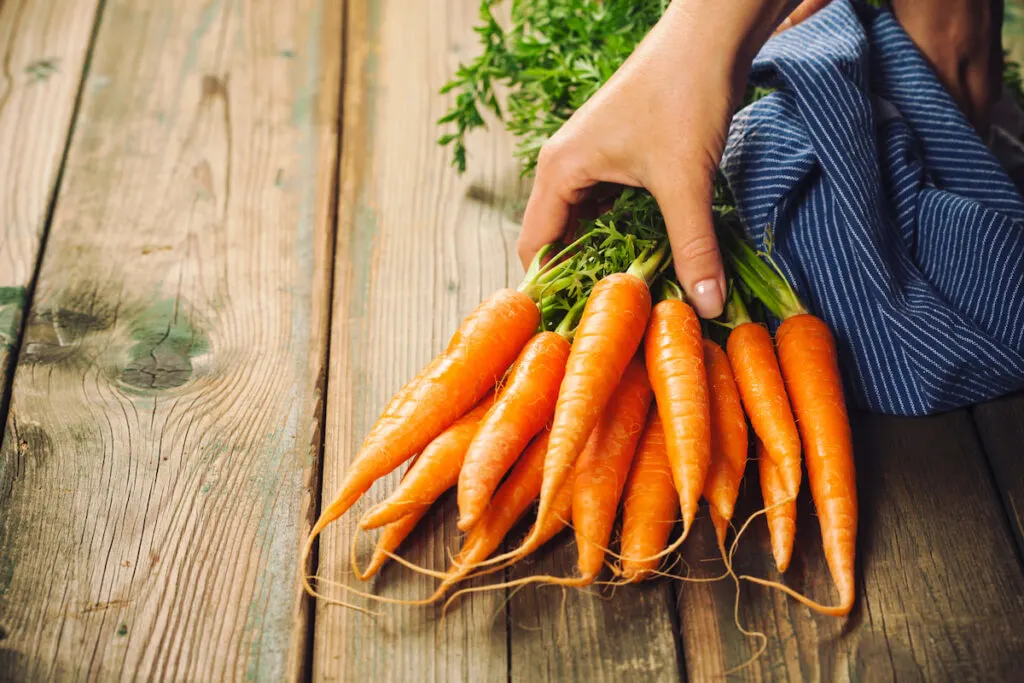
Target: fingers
pixel 552 198
pixel 686 205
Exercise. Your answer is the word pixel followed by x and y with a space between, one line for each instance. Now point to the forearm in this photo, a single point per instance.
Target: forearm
pixel 962 41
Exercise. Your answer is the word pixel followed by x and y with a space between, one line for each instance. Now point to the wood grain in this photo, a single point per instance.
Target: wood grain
pixel 163 426
pixel 417 250
pixel 43 47
pixel 941 590
pixel 1000 424
pixel 597 634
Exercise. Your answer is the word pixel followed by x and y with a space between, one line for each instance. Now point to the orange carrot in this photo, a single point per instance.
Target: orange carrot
pixel 752 356
pixel 675 362
pixel 525 405
pixel 541 533
pixel 609 333
pixel 391 536
pixel 651 504
pixel 603 466
pixel 477 356
pixel 728 439
pixel 807 355
pixel 810 369
pixel 436 470
pixel 513 498
pixel 780 509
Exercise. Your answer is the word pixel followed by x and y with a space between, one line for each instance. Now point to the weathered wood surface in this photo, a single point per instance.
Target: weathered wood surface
pixel 941 590
pixel 415 254
pixel 157 470
pixel 43 46
pixel 164 420
pixel 1001 427
pixel 597 634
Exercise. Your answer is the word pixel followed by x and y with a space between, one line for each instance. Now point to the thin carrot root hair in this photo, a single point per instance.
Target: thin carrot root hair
pixel 667 572
pixel 546 579
pixel 753 516
pixel 419 569
pixel 828 610
pixel 353 556
pixel 672 547
pixel 371 596
pixel 727 559
pixel 308 587
pixel 334 601
pixel 529 544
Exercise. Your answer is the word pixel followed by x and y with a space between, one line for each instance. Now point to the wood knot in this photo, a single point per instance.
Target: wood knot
pixel 165 344
pixel 214 87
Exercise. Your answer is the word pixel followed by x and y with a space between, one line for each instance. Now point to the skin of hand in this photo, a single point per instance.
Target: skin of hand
pixel 660 122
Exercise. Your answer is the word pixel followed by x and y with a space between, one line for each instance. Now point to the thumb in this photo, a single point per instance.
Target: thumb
pixel 686 205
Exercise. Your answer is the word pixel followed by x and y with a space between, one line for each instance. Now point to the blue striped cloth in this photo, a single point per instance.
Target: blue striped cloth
pixel 890 216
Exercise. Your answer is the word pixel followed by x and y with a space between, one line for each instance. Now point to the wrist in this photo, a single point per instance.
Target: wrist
pixel 729 34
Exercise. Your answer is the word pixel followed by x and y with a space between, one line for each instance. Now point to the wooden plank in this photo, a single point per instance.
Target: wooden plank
pixel 43 46
pixel 1000 424
pixel 163 426
pixel 941 590
pixel 594 634
pixel 418 248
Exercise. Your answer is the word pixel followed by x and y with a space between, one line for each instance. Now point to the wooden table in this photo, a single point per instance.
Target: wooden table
pixel 228 238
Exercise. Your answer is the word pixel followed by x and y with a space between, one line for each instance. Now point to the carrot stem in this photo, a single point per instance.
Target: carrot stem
pixel 670 289
pixel 567 328
pixel 736 312
pixel 646 267
pixel 764 280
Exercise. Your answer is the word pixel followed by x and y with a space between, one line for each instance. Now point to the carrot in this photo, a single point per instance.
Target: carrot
pixel 561 509
pixel 390 538
pixel 728 439
pixel 510 503
pixel 675 361
pixel 807 355
pixel 810 369
pixel 603 466
pixel 780 509
pixel 436 470
pixel 609 333
pixel 752 356
pixel 477 356
pixel 525 405
pixel 650 506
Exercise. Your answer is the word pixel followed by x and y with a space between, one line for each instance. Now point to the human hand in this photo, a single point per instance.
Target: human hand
pixel 660 122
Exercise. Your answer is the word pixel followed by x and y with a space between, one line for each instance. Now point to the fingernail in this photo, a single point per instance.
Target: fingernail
pixel 707 298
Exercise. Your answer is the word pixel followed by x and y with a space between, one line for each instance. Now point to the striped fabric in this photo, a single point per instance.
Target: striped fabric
pixel 890 216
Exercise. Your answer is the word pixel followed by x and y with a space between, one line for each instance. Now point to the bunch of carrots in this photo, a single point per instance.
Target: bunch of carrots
pixel 594 391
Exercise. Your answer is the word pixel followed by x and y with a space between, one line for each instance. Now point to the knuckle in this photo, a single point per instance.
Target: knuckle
pixel 698 248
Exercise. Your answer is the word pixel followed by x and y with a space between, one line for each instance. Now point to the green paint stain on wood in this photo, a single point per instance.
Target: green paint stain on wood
pixel 165 344
pixel 12 306
pixel 122 630
pixel 41 69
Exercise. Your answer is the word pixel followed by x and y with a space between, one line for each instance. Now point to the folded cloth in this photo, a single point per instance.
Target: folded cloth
pixel 886 211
